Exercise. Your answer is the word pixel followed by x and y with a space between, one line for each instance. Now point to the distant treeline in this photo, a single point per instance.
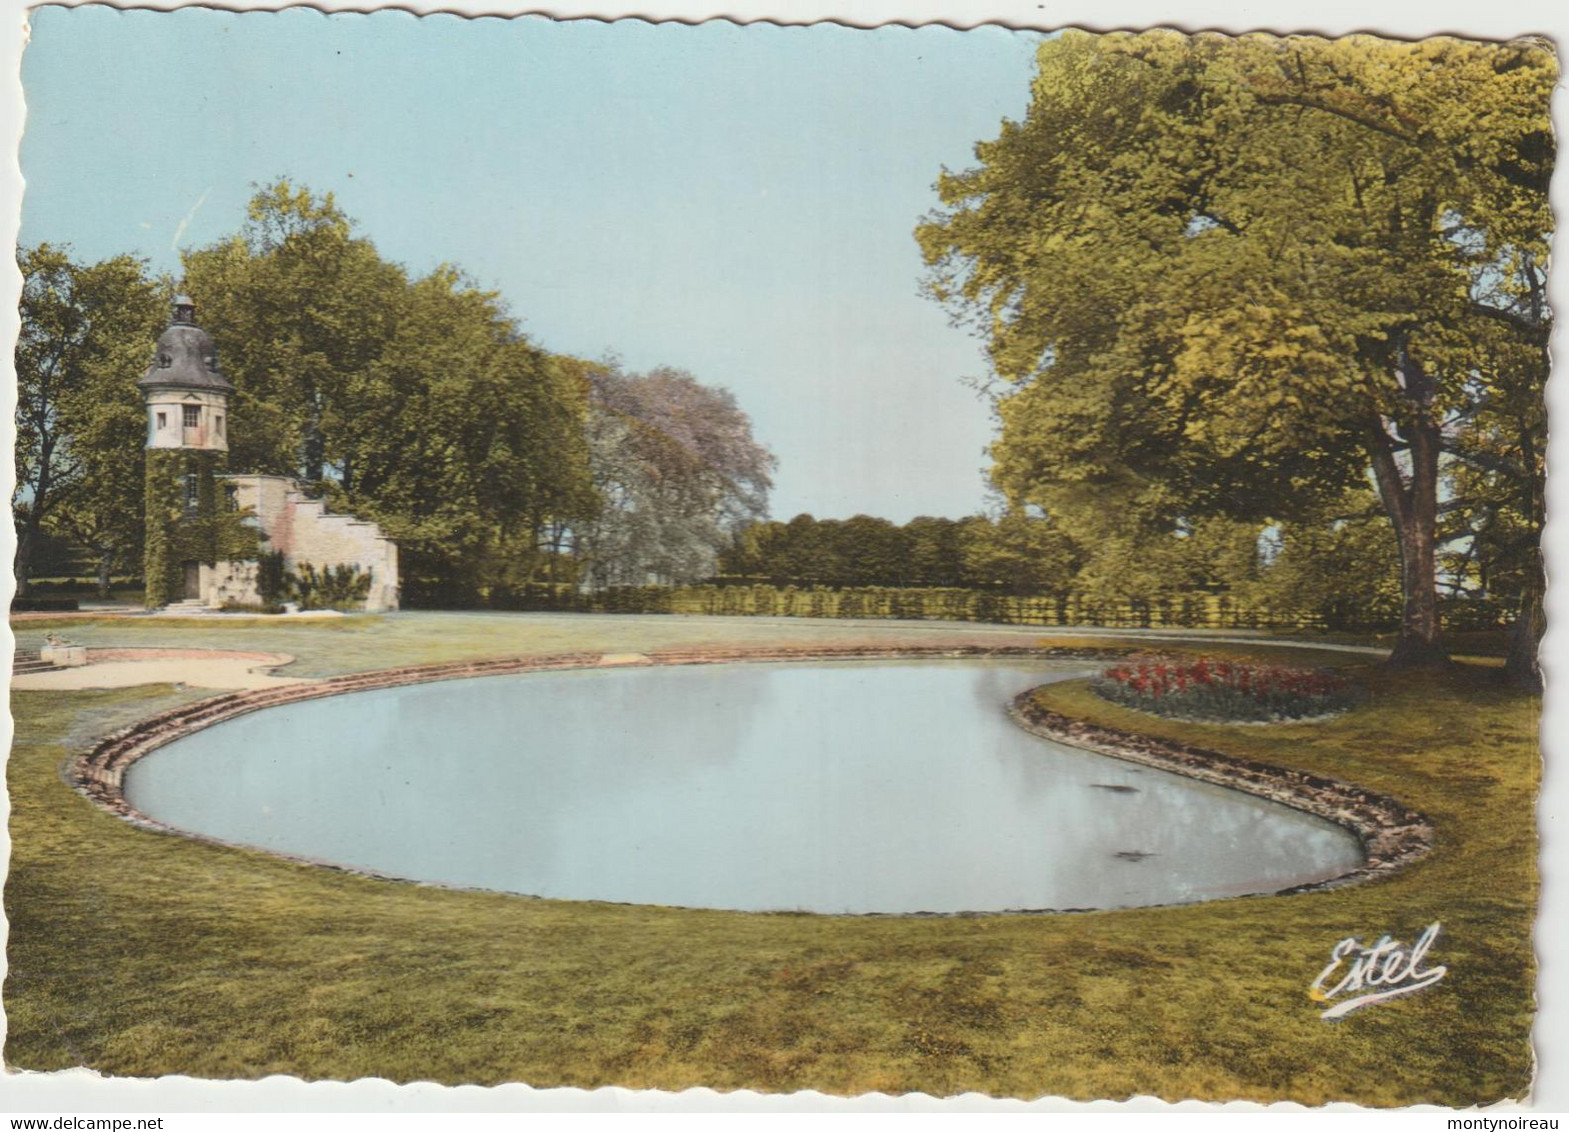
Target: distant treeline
pixel 1015 554
pixel 1021 568
pixel 1339 573
pixel 1336 571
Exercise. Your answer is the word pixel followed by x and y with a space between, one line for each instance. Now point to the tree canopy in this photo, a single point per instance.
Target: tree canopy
pixel 1238 276
pixel 678 470
pixel 87 330
pixel 416 402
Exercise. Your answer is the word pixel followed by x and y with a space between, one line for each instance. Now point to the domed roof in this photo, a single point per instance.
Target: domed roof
pixel 187 357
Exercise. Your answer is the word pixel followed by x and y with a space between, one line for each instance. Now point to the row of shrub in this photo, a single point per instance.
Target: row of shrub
pixel 1224 691
pixel 43 604
pixel 1197 611
pixel 81 585
pixel 342 587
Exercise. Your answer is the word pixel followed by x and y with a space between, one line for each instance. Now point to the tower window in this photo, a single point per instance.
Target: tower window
pixel 192 492
pixel 163 420
pixel 217 424
pixel 193 415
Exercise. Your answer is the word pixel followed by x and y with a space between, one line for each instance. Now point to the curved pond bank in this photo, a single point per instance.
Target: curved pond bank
pixel 1392 834
pixel 987 845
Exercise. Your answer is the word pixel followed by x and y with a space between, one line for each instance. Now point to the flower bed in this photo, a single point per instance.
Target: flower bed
pixel 1222 691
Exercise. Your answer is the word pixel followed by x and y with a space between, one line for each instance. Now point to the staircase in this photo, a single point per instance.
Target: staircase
pixel 25 662
pixel 316 510
pixel 189 607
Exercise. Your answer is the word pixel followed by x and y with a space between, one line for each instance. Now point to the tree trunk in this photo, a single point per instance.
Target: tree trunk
pixel 106 574
pixel 1418 643
pixel 313 457
pixel 1522 667
pixel 26 540
pixel 1411 502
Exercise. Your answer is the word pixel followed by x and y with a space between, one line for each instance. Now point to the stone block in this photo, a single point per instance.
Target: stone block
pixel 64 656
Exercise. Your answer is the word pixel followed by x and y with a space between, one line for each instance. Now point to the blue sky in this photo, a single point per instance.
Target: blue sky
pixel 736 201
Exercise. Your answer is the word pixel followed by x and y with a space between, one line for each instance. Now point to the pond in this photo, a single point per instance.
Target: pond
pixel 854 786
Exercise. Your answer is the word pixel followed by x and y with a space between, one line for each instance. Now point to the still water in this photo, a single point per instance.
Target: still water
pixel 896 786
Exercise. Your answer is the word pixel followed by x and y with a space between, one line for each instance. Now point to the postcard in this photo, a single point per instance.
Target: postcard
pixel 996 561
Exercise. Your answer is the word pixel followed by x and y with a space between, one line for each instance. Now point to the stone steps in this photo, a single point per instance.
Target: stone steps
pixel 317 508
pixel 25 662
pixel 189 605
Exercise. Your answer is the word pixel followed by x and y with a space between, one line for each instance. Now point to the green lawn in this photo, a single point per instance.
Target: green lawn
pixel 142 954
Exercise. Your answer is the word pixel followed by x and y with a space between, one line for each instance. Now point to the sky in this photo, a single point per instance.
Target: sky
pixel 735 201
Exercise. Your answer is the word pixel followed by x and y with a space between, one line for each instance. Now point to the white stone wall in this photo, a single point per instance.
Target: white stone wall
pixel 166 420
pixel 229 581
pixel 306 532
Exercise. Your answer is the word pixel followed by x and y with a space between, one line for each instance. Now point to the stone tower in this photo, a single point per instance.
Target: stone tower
pixel 187 401
pixel 206 528
pixel 187 396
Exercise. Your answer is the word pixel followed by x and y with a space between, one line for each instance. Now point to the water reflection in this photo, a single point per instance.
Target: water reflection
pixel 849 787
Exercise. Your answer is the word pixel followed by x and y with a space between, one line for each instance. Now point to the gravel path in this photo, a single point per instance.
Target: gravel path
pixel 196 668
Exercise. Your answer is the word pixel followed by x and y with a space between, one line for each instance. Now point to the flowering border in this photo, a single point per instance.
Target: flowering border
pixel 1211 691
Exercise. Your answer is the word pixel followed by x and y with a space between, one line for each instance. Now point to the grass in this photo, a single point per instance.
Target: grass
pixel 325 646
pixel 141 954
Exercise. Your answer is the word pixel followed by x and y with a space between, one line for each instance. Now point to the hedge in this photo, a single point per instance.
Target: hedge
pixel 1197 611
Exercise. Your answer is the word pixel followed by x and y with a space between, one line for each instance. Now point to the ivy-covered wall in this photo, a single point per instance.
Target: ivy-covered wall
pixel 176 534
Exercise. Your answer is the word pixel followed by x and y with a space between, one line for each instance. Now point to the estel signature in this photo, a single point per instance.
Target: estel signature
pixel 1377 972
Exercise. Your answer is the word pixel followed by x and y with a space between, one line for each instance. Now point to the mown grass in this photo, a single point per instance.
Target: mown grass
pixel 142 954
pixel 326 646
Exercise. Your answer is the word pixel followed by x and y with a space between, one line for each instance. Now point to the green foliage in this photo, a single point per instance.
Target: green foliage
pixel 180 529
pixel 87 331
pixel 1018 553
pixel 266 607
pixel 272 580
pixel 1015 552
pixel 1230 277
pixel 342 587
pixel 1340 563
pixel 416 403
pixel 1189 610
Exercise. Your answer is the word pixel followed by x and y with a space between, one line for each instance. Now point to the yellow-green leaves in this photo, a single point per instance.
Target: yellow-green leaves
pixel 1198 256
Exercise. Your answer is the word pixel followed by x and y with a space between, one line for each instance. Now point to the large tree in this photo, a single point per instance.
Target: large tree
pixel 87 333
pixel 301 307
pixel 416 402
pixel 678 473
pixel 1240 276
pixel 1018 553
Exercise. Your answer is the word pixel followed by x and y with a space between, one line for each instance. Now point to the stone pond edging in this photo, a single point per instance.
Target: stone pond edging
pixel 1392 835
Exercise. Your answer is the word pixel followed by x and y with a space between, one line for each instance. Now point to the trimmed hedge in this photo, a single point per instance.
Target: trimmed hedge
pixel 43 605
pixel 1197 611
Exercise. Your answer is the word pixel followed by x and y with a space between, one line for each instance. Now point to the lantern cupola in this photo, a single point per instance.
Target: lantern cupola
pixel 186 394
